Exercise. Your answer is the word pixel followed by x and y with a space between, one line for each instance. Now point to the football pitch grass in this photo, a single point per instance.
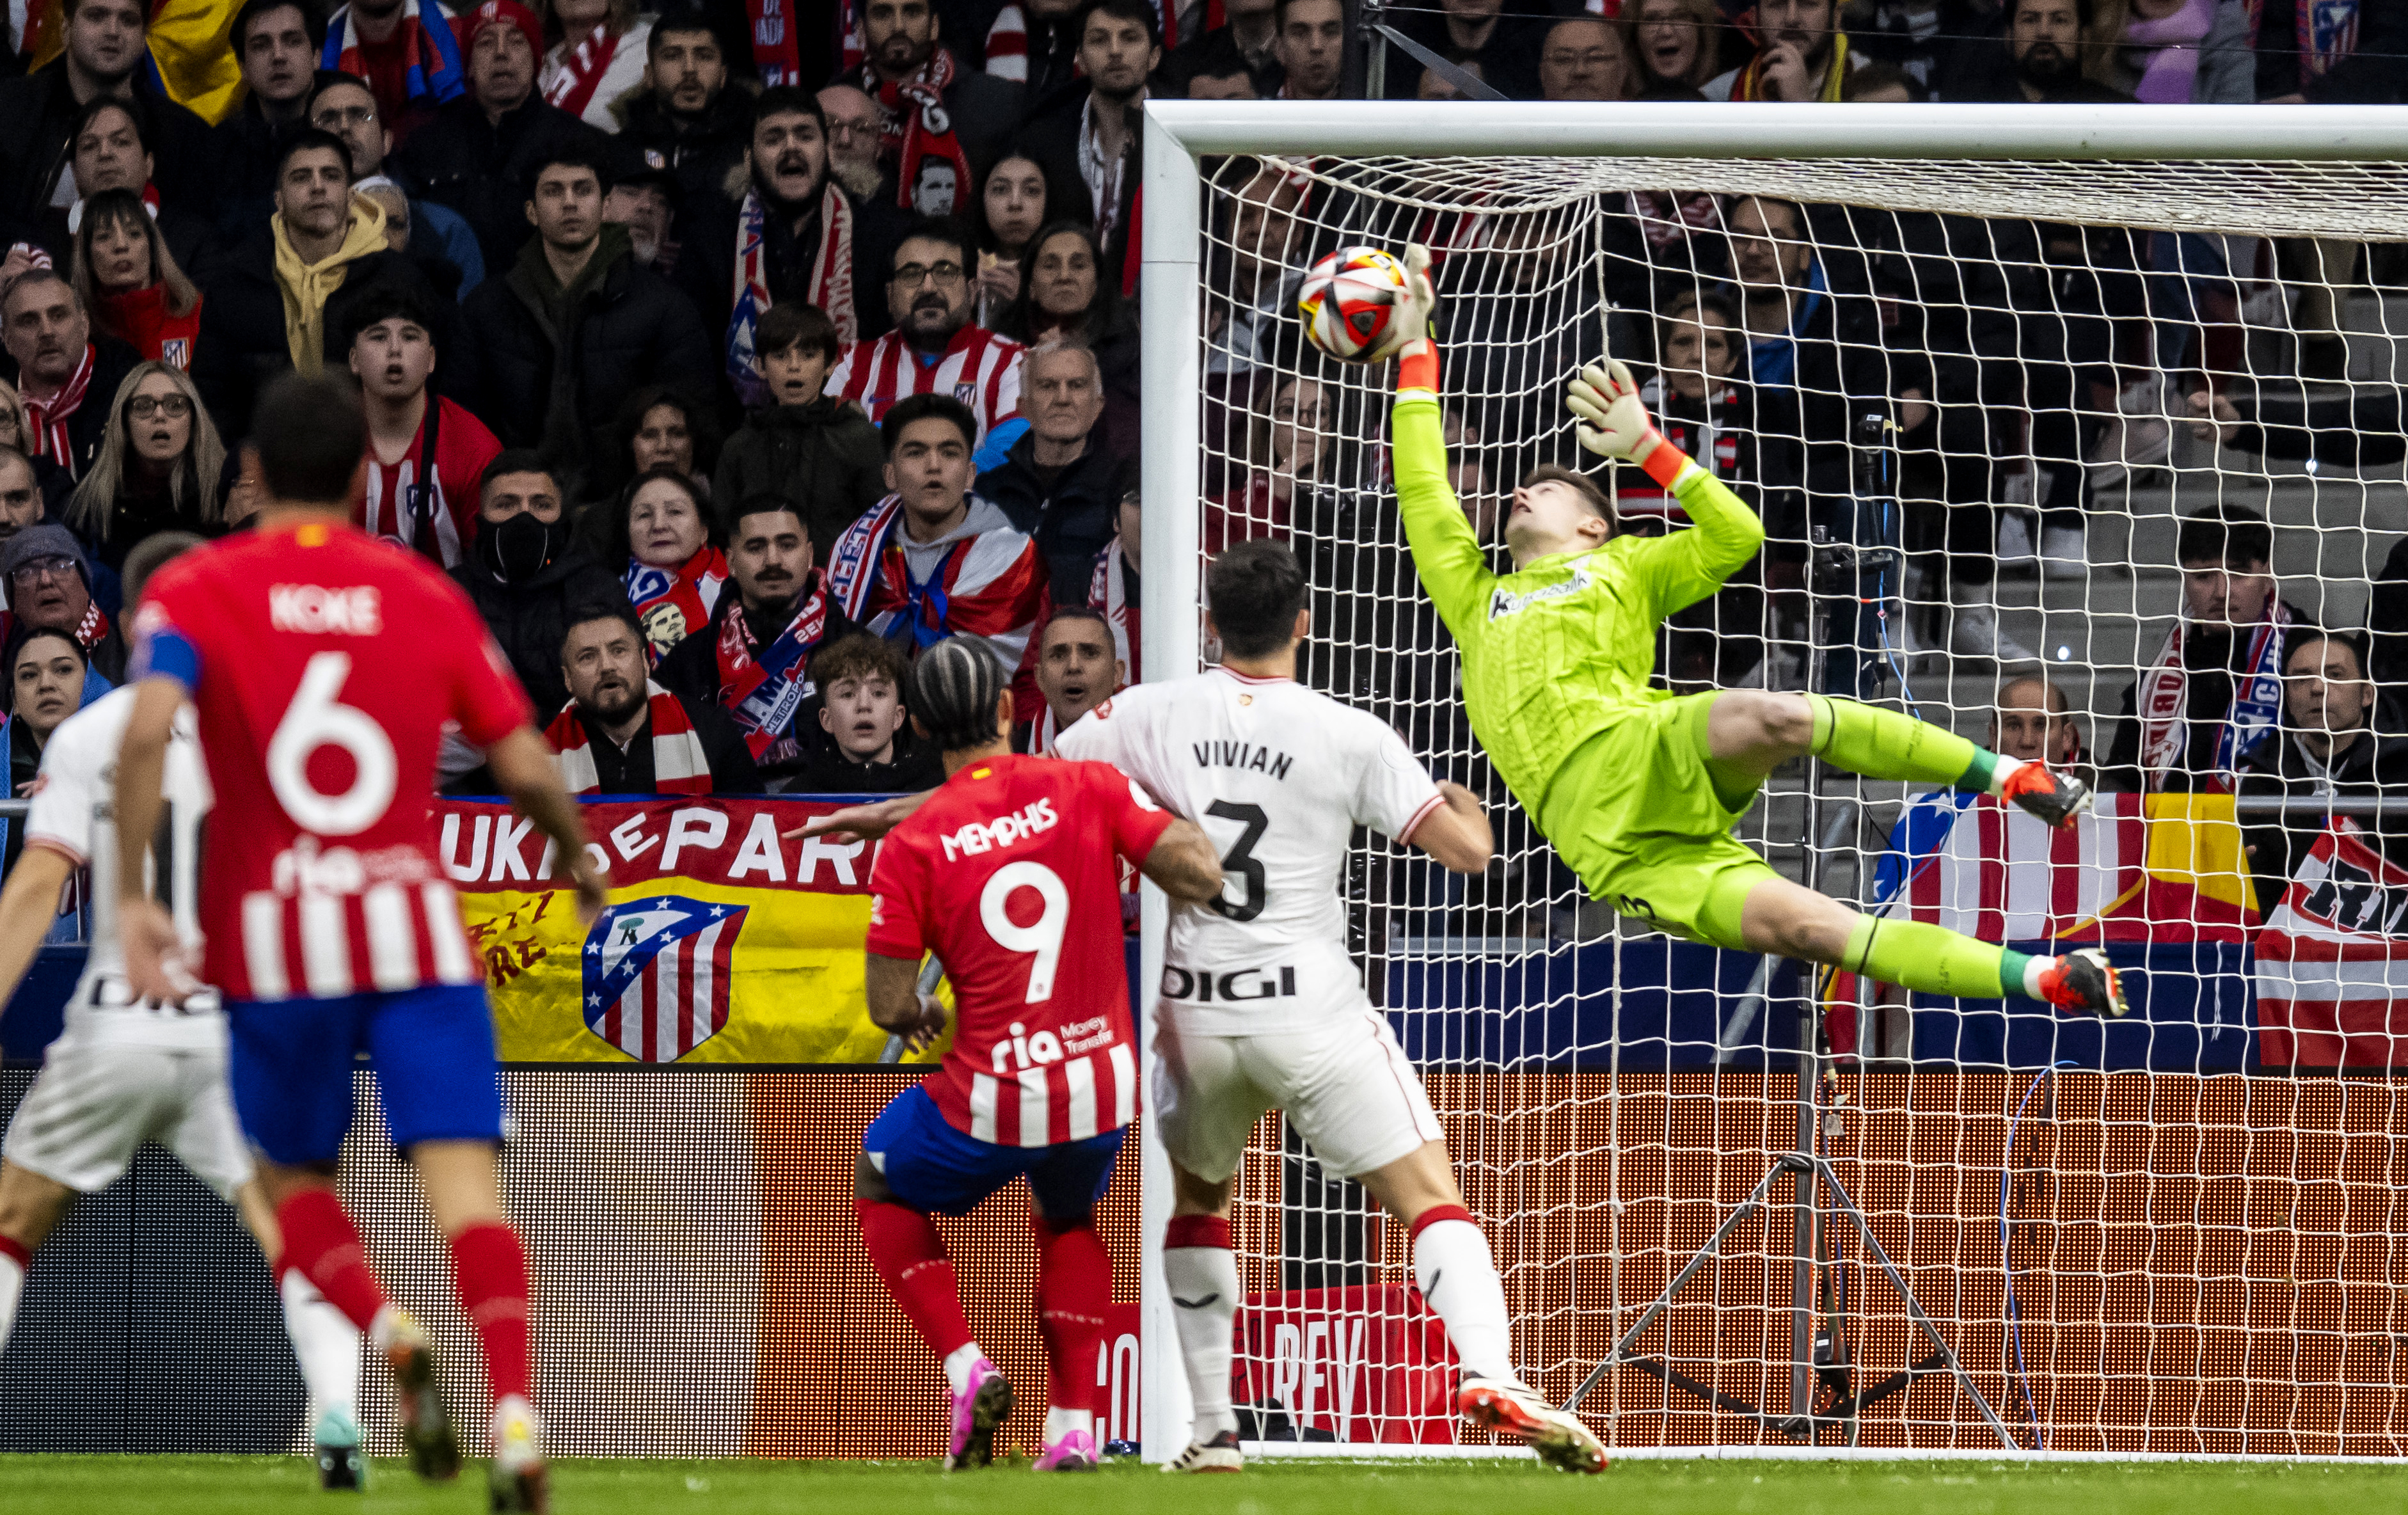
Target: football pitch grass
pixel 38 1485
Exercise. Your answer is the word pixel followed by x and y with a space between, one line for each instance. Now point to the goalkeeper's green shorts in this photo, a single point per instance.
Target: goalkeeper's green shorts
pixel 1639 815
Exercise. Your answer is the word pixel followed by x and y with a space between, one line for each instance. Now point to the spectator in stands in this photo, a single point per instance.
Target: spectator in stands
pixel 1311 47
pixel 107 53
pixel 818 453
pixel 2215 688
pixel 794 235
pixel 161 467
pixel 408 50
pixel 1077 670
pixel 934 349
pixel 50 589
pixel 479 154
pixel 1434 85
pixel 646 202
pixel 47 673
pixel 137 292
pixel 2325 749
pixel 2031 719
pixel 658 532
pixel 871 749
pixel 1584 57
pixel 275 44
pixel 51 482
pixel 1064 297
pixel 2045 56
pixel 428 509
pixel 277 296
pixel 942 123
pixel 344 106
pixel 687 120
pixel 2184 52
pixel 1284 454
pixel 21 498
pixel 1477 36
pixel 525 573
pixel 1056 483
pixel 596 59
pixel 857 136
pixel 753 658
pixel 1671 44
pixel 574 326
pixel 1012 208
pixel 620 732
pixel 1255 267
pixel 60 363
pixel 1114 589
pixel 1804 55
pixel 935 560
pixel 1244 47
pixel 659 427
pixel 1093 151
pixel 110 150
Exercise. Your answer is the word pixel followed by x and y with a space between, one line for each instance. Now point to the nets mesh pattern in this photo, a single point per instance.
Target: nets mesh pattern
pixel 1970 402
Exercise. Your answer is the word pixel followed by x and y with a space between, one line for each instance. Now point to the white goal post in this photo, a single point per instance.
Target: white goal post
pixel 2260 173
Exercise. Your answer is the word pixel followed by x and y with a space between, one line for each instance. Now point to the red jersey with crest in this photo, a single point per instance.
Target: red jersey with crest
pixel 1011 874
pixel 323 664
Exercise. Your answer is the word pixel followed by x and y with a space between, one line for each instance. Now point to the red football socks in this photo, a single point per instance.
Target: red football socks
pixel 320 1240
pixel 489 1268
pixel 910 1256
pixel 1074 1286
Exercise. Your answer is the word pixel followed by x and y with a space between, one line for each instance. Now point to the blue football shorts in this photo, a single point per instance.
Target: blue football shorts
pixel 939 1170
pixel 431 1049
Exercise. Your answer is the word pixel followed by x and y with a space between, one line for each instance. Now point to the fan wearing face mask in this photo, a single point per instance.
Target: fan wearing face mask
pixel 525 571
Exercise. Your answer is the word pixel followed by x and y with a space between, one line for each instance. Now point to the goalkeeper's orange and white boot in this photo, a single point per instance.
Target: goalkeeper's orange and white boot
pixel 521 1482
pixel 418 1402
pixel 2054 797
pixel 2083 979
pixel 1556 1436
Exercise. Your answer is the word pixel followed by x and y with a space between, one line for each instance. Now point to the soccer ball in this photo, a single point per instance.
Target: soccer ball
pixel 1350 303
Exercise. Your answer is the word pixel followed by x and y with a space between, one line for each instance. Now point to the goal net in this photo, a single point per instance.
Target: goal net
pixel 1974 369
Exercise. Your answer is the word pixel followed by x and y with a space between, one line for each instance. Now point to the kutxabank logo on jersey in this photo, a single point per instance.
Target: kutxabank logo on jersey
pixel 656 974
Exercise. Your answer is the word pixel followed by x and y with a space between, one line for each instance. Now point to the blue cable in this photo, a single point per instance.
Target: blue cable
pixel 2006 1259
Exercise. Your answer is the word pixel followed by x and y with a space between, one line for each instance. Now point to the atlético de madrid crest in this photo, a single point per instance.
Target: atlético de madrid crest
pixel 656 974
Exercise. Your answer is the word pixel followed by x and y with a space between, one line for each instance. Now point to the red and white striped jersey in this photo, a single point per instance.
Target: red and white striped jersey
pixel 1010 875
pixel 429 510
pixel 323 666
pixel 984 579
pixel 978 368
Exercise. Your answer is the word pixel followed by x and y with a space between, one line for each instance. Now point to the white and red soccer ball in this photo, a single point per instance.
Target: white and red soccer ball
pixel 1353 302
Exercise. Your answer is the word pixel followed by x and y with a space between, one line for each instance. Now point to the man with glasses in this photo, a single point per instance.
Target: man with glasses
pixel 853 135
pixel 934 349
pixel 50 589
pixel 345 106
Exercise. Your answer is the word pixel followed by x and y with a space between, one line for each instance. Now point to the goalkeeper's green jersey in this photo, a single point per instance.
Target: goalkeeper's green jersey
pixel 1552 652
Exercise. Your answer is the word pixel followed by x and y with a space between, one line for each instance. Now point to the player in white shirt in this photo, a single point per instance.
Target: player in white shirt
pixel 124 1071
pixel 1261 1007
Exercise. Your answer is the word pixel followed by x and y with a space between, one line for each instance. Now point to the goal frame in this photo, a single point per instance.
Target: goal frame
pixel 1178 133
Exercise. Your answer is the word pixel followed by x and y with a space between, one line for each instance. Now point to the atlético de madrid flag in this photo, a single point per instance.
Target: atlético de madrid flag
pixel 2332 962
pixel 656 974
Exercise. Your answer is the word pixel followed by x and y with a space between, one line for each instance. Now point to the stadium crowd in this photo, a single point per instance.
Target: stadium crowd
pixel 729 362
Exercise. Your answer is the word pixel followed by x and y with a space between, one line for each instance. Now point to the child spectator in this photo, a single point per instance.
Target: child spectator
pixel 816 451
pixel 871 749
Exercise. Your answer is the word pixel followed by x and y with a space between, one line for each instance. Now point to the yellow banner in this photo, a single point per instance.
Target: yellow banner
pixel 723 942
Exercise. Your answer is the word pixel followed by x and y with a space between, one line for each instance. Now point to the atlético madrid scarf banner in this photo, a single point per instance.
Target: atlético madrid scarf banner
pixel 723 943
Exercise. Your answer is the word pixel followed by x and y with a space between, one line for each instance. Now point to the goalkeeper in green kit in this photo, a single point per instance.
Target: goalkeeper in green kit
pixel 1638 789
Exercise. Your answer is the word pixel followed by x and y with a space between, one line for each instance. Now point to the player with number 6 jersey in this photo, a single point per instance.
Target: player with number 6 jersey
pixel 1010 875
pixel 1261 1007
pixel 323 666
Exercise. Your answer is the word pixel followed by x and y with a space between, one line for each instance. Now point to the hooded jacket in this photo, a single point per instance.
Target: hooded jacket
pixel 825 457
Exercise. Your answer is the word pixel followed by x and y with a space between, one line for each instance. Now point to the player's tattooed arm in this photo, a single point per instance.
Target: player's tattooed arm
pixel 859 822
pixel 521 764
pixel 896 1005
pixel 1184 865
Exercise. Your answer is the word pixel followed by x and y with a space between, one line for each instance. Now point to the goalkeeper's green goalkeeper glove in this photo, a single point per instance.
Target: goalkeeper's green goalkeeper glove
pixel 1614 423
pixel 1417 359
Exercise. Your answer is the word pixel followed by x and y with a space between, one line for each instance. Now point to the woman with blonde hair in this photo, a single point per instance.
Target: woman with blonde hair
pixel 130 282
pixel 160 466
pixel 1671 44
pixel 596 54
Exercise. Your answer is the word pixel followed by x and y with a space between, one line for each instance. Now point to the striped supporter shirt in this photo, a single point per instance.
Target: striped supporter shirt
pixel 978 368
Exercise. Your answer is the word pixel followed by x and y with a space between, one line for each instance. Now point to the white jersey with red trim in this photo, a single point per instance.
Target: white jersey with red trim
pixel 1279 776
pixel 978 368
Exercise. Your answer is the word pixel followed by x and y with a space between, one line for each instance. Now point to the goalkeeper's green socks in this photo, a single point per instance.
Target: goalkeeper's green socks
pixel 1883 744
pixel 1933 960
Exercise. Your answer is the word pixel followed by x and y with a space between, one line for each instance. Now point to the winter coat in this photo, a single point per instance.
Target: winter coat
pixel 699 155
pixel 824 456
pixel 481 169
pixel 529 621
pixel 1073 518
pixel 38 112
pixel 88 428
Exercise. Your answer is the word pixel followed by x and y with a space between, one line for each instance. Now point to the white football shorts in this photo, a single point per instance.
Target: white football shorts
pixel 1342 1083
pixel 93 1103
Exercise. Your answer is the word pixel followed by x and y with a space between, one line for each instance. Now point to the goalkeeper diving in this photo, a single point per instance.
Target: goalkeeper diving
pixel 1637 788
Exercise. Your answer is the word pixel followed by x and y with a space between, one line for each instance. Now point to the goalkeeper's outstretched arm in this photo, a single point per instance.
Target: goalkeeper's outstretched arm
pixel 1446 552
pixel 1684 566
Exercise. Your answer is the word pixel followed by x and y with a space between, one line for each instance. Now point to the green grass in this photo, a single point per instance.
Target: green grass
pixel 31 1485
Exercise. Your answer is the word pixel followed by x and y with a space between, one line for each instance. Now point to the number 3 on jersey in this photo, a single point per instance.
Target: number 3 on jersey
pixel 1042 936
pixel 316 719
pixel 1240 860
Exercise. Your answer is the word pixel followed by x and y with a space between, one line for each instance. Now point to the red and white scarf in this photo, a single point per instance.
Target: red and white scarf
pixel 761 688
pixel 918 126
pixel 829 285
pixel 2256 701
pixel 671 605
pixel 581 68
pixel 678 765
pixel 1107 591
pixel 47 417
